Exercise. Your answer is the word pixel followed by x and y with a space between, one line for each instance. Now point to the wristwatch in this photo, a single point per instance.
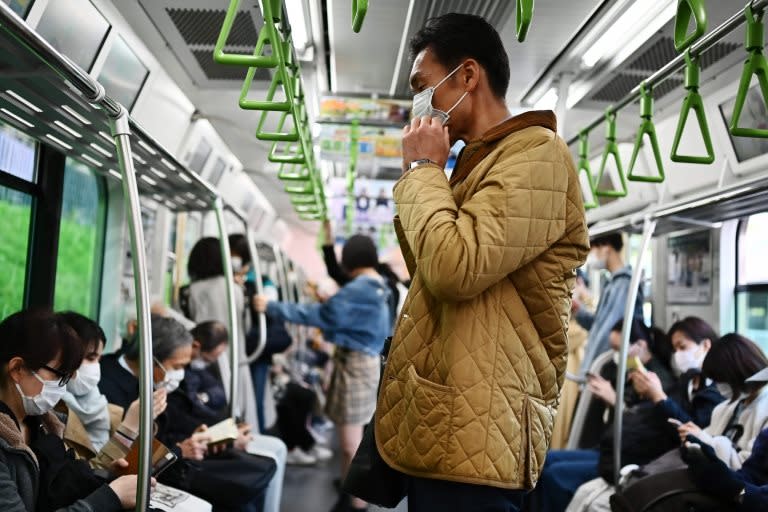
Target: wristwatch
pixel 421 161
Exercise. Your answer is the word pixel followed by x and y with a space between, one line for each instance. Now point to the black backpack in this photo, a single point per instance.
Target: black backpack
pixel 670 491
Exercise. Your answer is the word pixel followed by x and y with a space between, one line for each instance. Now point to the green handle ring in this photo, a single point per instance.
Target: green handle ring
pixel 286 157
pixel 524 10
pixel 693 101
pixel 359 10
pixel 687 9
pixel 269 103
pixel 756 65
pixel 646 128
pixel 280 135
pixel 258 59
pixel 611 149
pixel 307 188
pixel 301 199
pixel 584 168
pixel 289 173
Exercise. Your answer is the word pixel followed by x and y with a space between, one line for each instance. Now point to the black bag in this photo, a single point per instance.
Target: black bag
pixel 671 491
pixel 369 477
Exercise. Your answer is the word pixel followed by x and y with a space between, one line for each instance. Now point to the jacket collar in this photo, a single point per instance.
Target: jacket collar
pixel 476 150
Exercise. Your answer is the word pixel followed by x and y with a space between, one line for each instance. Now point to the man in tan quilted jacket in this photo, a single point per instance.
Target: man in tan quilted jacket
pixel 471 387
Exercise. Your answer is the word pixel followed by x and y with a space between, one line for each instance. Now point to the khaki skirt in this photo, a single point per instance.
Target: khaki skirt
pixel 354 384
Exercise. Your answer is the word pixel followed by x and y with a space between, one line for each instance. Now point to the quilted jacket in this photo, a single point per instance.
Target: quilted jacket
pixel 477 362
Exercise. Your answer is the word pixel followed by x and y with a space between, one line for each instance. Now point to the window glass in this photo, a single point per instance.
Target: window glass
pixel 752 317
pixel 753 115
pixel 81 235
pixel 123 74
pixel 80 41
pixel 20 7
pixel 16 211
pixel 753 246
pixel 17 153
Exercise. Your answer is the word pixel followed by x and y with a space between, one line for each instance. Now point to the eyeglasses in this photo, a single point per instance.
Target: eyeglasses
pixel 64 378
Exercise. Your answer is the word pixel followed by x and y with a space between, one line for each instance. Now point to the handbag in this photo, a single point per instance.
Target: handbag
pixel 369 477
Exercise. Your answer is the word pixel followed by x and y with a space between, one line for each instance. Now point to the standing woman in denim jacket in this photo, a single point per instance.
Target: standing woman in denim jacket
pixel 356 320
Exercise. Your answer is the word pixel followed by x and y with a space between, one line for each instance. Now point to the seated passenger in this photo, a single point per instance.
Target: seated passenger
pixel 39 353
pixel 566 470
pixel 227 480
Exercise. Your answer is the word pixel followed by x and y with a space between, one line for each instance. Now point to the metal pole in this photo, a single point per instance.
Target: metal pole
pixel 121 132
pixel 649 227
pixel 259 291
pixel 234 335
pixel 678 63
pixel 281 274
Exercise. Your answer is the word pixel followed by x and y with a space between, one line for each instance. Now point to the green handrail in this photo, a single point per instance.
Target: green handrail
pixel 359 10
pixel 280 135
pixel 693 102
pixel 354 152
pixel 584 168
pixel 524 17
pixel 611 149
pixel 646 128
pixel 307 208
pixel 258 59
pixel 686 10
pixel 756 65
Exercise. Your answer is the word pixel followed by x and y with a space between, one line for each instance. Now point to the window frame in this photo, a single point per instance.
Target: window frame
pixel 741 289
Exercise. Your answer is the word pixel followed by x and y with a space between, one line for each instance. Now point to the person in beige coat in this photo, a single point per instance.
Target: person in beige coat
pixel 473 378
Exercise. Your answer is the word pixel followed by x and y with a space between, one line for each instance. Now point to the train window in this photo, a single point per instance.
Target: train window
pixel 754 115
pixel 20 7
pixel 81 43
pixel 81 240
pixel 17 153
pixel 16 212
pixel 123 74
pixel 752 287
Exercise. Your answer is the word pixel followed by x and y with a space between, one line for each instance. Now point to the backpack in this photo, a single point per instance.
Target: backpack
pixel 670 491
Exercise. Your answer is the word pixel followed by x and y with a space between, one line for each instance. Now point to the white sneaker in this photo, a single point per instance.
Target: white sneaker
pixel 321 453
pixel 298 457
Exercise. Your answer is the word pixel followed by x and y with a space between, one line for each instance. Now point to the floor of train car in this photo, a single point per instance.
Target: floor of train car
pixel 310 488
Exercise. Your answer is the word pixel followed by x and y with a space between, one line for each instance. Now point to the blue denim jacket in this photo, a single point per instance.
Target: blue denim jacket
pixel 356 318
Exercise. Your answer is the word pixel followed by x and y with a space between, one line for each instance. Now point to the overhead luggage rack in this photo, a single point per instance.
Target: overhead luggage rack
pixel 58 104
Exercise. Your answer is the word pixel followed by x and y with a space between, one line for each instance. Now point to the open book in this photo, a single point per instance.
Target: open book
pixel 223 432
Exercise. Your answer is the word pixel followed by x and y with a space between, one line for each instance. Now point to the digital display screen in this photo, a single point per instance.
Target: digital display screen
pixel 753 115
pixel 123 74
pixel 218 171
pixel 80 42
pixel 200 156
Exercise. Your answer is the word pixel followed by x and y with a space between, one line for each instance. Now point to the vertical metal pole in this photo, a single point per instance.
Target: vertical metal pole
pixel 649 226
pixel 281 274
pixel 234 335
pixel 259 291
pixel 121 132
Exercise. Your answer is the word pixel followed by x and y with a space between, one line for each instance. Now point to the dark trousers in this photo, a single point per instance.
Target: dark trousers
pixel 564 472
pixel 426 495
pixel 293 412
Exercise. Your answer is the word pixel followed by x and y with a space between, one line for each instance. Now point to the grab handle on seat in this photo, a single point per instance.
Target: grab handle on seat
pixel 611 150
pixel 756 65
pixel 693 102
pixel 646 128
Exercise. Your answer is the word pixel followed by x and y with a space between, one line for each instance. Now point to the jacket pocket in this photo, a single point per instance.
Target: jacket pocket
pixel 425 429
pixel 538 422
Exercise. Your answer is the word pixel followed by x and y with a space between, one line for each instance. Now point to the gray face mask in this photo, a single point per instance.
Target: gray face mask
pixel 422 102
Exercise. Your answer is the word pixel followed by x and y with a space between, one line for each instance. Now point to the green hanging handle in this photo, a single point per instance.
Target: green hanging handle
pixel 278 82
pixel 693 102
pixel 687 10
pixel 611 150
pixel 524 17
pixel 286 155
pixel 281 134
pixel 267 36
pixel 590 202
pixel 756 65
pixel 359 10
pixel 306 188
pixel 307 208
pixel 294 173
pixel 646 128
pixel 302 199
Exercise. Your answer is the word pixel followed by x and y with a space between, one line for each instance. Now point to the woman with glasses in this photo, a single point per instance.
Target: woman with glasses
pixel 39 353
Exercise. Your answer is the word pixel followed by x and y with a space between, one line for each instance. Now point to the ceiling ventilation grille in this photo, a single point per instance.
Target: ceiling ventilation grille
pixel 199 28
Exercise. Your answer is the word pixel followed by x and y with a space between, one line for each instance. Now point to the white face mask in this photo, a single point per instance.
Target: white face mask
pixel 422 102
pixel 44 401
pixel 86 379
pixel 237 264
pixel 172 380
pixel 686 360
pixel 595 263
pixel 270 292
pixel 725 390
pixel 199 364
